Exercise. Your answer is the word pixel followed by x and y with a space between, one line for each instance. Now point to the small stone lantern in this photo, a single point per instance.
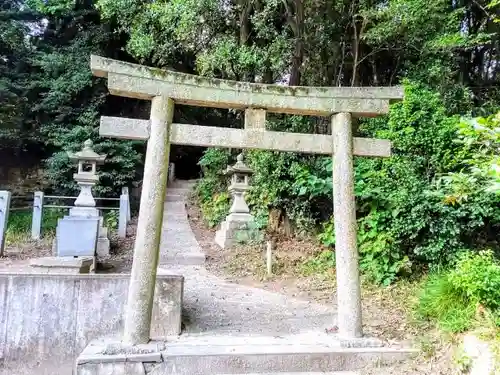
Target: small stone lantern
pixel 240 183
pixel 239 214
pixel 86 177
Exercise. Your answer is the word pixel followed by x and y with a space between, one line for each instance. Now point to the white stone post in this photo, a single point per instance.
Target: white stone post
pixel 36 220
pixel 4 217
pixel 125 192
pixel 348 282
pixel 147 244
pixel 122 216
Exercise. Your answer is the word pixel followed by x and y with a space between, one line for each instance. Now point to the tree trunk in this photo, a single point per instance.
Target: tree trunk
pixel 295 18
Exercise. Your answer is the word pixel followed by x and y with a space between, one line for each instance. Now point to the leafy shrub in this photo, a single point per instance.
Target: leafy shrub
pixel 211 190
pixel 215 210
pixel 417 209
pixel 327 235
pixel 452 298
pixel 111 219
pixel 213 164
pixel 379 260
pixel 405 197
pixel 477 276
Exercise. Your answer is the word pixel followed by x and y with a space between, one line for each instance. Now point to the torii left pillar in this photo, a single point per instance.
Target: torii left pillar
pixel 147 243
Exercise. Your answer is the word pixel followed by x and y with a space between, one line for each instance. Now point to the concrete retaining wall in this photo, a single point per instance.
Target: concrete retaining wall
pixel 46 316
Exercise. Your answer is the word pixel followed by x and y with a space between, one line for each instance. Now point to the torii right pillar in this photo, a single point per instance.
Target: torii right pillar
pixel 344 209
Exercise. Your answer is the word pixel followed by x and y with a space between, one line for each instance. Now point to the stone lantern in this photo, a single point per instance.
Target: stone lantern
pixel 86 177
pixel 239 216
pixel 240 183
pixel 82 234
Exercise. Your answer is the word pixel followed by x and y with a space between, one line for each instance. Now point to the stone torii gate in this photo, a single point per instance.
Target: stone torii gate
pixel 165 88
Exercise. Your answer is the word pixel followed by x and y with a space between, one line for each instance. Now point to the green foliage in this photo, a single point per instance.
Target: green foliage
pixel 477 276
pixel 111 218
pixel 215 210
pixel 452 298
pixel 213 163
pixel 19 225
pixel 436 195
pixel 380 261
pixel 51 97
pixel 404 198
pixel 479 160
pixel 440 301
pixel 327 234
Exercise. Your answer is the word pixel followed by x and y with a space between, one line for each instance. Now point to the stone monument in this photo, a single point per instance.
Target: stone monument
pixel 81 235
pixel 239 216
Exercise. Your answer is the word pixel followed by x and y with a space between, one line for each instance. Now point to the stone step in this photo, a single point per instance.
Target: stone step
pixel 179 190
pixel 183 259
pixel 175 198
pixel 205 354
pixel 226 354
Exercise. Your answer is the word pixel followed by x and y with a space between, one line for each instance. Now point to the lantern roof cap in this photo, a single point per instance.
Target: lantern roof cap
pixel 87 153
pixel 239 167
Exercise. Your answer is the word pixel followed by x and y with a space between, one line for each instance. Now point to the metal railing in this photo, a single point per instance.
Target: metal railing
pixel 39 205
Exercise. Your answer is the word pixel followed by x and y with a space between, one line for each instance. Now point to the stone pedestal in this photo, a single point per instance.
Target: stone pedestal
pixel 227 235
pixel 310 353
pixel 66 265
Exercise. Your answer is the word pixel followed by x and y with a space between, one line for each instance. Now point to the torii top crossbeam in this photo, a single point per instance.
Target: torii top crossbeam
pixel 145 83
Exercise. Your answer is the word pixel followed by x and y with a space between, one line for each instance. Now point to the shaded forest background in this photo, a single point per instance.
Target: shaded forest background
pixel 435 198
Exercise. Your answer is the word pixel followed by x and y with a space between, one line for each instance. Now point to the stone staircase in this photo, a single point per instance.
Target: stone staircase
pixel 179 247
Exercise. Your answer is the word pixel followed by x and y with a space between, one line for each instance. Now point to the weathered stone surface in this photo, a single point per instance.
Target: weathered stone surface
pixel 234 354
pixel 255 119
pixel 111 369
pixel 346 251
pixel 227 235
pixel 138 81
pixel 4 216
pixel 480 354
pixel 63 264
pixel 124 128
pixel 36 219
pixel 211 136
pixel 44 316
pixel 147 243
pixel 82 245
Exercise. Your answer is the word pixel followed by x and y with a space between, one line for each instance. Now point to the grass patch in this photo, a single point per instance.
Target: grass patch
pixel 19 225
pixel 440 301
